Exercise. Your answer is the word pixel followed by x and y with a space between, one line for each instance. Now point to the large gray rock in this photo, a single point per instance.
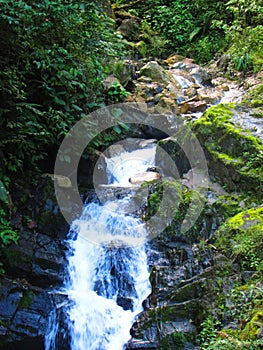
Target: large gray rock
pixel 158 74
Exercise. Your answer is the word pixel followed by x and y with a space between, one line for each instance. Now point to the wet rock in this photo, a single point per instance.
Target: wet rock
pixel 173 59
pixel 201 76
pixel 192 107
pixel 125 303
pixel 143 177
pixel 210 96
pixel 166 104
pixel 38 258
pixel 24 311
pixel 142 344
pixel 144 79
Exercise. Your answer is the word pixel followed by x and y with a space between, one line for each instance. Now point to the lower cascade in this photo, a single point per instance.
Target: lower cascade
pixel 108 276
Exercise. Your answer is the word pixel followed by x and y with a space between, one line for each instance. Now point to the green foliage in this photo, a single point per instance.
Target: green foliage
pixel 116 93
pixel 155 44
pixel 3 193
pixel 254 97
pixel 7 235
pixel 203 29
pixel 194 28
pixel 246 232
pixel 245 34
pixel 243 300
pixel 234 344
pixel 207 334
pixel 243 308
pixel 54 55
pixel 172 341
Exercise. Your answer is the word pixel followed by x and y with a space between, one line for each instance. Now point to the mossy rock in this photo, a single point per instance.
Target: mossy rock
pixel 253 327
pixel 234 156
pixel 241 236
pixel 172 341
pixel 178 209
pixel 254 97
pixel 27 299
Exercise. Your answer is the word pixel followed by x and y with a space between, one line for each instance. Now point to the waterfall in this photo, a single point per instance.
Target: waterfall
pixel 108 276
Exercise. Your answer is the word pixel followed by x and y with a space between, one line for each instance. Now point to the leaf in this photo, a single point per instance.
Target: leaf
pixel 77 108
pixel 3 193
pixel 194 33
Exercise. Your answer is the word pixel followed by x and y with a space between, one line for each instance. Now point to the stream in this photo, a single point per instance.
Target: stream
pixel 108 276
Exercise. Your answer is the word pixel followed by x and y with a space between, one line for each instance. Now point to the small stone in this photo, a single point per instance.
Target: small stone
pixel 144 79
pixel 143 177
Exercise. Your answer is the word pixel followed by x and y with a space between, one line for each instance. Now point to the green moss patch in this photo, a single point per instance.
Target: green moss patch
pixel 254 97
pixel 241 238
pixel 181 204
pixel 235 157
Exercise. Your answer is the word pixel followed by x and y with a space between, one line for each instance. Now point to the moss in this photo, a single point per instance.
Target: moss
pixel 181 204
pixel 141 47
pixel 234 155
pixel 241 237
pixel 229 205
pixel 27 299
pixel 254 97
pixel 252 328
pixel 172 341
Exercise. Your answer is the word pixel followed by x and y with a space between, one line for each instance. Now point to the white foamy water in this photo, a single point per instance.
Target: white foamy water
pixel 108 276
pixel 121 167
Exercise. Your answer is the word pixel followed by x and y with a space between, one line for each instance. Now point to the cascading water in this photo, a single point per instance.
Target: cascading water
pixel 107 265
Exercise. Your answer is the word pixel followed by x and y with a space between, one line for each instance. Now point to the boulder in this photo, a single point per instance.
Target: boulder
pixel 173 59
pixel 157 73
pixel 211 95
pixel 166 104
pixel 201 76
pixel 192 107
pixel 130 29
pixel 229 148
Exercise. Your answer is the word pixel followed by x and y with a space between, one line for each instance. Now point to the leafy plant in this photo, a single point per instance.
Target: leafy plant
pixel 116 93
pixel 54 55
pixel 7 235
pixel 208 333
pixel 174 340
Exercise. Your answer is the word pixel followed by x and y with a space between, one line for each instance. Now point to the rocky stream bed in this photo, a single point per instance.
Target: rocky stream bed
pixel 191 273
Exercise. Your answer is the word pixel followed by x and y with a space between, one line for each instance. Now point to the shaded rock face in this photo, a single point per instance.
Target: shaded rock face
pixel 34 266
pixel 24 313
pixel 182 286
pixel 38 258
